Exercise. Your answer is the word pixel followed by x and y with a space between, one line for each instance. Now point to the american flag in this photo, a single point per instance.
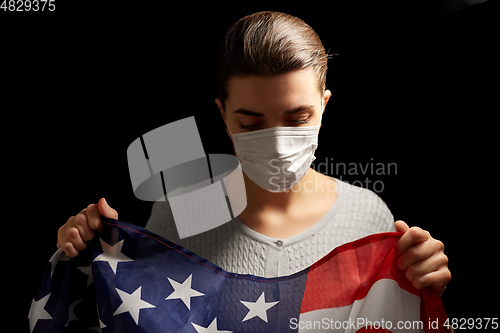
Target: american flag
pixel 131 280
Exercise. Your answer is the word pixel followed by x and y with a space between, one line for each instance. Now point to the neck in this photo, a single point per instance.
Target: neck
pixel 262 200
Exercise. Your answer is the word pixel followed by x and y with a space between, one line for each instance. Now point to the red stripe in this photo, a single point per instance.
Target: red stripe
pixel 347 273
pixel 432 311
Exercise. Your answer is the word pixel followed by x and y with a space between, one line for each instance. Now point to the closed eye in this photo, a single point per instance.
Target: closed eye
pixel 293 122
pixel 249 126
pixel 300 122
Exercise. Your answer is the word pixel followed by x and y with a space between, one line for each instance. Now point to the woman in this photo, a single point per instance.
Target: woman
pixel 271 78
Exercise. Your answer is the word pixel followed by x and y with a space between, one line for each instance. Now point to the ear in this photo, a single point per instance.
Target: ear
pixel 223 114
pixel 219 105
pixel 326 97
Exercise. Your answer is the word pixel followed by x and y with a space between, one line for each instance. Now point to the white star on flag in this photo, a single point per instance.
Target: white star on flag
pixel 98 328
pixel 112 254
pixel 87 271
pixel 258 308
pixel 183 291
pixel 101 324
pixel 132 303
pixel 71 312
pixel 37 311
pixel 212 328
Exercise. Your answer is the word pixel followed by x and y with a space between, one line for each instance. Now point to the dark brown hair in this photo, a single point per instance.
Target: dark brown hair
pixel 267 44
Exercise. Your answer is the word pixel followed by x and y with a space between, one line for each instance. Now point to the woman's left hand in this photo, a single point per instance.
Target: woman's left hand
pixel 422 258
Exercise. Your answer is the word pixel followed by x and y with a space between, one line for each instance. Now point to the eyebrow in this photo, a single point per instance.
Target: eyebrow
pixel 258 114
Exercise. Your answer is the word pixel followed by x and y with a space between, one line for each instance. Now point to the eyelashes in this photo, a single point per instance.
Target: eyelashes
pixel 294 122
pixel 248 126
pixel 301 121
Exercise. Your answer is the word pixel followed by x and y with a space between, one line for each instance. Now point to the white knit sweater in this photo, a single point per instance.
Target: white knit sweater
pixel 356 213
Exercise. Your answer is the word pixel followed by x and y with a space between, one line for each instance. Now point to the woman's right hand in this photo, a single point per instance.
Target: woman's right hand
pixel 78 230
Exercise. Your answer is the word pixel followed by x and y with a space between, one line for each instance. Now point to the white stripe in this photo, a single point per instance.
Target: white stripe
pixel 385 300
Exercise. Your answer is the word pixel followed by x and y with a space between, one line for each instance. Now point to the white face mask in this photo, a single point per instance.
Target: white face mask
pixel 277 158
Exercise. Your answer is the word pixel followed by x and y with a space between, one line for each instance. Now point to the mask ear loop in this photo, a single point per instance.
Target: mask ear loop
pixel 225 124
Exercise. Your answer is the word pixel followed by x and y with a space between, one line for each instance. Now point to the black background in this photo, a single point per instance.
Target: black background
pixel 413 84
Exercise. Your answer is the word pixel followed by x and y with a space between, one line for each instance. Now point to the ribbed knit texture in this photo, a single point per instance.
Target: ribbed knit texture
pixel 356 213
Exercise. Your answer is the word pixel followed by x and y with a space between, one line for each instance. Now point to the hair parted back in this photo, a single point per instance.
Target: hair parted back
pixel 267 44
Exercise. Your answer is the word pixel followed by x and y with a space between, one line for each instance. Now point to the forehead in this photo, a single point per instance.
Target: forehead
pixel 274 93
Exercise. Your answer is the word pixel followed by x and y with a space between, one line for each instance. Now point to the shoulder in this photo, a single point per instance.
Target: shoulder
pixel 366 207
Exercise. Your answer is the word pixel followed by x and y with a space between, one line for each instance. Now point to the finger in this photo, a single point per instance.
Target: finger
pixel 415 253
pixel 69 249
pixel 75 238
pixel 82 224
pixel 411 236
pixel 401 226
pixel 437 279
pixel 94 217
pixel 106 210
pixel 61 234
pixel 429 265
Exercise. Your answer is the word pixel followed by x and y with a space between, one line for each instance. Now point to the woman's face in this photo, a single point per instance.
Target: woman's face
pixel 291 99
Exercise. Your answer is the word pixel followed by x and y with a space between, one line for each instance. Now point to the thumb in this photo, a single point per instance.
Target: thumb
pixel 106 210
pixel 401 226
